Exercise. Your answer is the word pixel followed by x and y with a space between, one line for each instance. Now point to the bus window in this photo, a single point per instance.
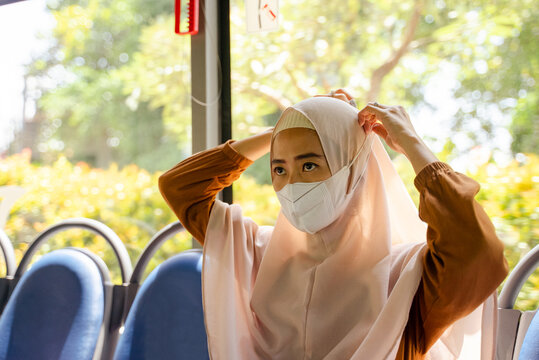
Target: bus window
pixel 95 103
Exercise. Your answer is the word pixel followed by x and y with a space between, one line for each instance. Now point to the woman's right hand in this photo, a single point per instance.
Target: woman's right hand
pixel 393 124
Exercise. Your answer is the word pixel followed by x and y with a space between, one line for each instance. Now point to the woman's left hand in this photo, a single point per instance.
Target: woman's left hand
pixel 392 123
pixel 396 129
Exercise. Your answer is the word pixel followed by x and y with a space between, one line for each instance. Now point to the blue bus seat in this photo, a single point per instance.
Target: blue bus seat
pixel 530 345
pixel 166 319
pixel 114 295
pixel 56 310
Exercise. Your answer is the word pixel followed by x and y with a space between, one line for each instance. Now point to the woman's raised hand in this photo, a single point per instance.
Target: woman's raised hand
pixel 393 124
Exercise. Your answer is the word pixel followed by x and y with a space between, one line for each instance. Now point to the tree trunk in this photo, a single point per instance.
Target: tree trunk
pixel 380 72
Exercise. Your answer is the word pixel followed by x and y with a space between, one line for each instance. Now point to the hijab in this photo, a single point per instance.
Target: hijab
pixel 344 292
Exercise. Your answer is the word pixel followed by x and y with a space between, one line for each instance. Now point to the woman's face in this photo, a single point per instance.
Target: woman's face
pixel 297 156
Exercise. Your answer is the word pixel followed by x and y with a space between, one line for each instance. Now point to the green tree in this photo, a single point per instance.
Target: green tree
pixel 386 51
pixel 90 112
pixel 525 125
pixel 510 196
pixel 502 74
pixel 136 72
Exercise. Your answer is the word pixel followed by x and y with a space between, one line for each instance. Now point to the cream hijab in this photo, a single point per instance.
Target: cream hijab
pixel 342 293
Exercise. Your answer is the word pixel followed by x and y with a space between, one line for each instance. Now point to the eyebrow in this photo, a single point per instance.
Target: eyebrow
pixel 298 157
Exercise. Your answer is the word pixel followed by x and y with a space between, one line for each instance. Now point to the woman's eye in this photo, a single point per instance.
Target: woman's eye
pixel 309 166
pixel 278 170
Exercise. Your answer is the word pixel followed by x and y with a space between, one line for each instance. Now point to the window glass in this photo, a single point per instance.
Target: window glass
pixel 466 72
pixel 95 103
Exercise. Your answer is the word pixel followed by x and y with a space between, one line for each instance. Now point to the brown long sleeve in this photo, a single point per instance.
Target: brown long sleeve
pixel 190 187
pixel 463 265
pixel 464 262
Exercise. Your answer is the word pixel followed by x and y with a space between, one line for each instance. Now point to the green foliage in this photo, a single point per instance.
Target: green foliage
pixel 510 196
pixel 94 112
pixel 99 31
pixel 525 125
pixel 127 200
pixel 160 75
pixel 499 73
pixel 129 74
pixel 324 45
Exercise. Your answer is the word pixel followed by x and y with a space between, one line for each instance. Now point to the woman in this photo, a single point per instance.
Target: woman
pixel 349 270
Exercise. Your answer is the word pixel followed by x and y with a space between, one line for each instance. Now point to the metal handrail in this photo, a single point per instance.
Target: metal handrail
pixel 152 247
pixel 517 278
pixel 94 226
pixel 9 254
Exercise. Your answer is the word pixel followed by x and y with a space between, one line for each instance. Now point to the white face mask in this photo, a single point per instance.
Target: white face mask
pixel 312 206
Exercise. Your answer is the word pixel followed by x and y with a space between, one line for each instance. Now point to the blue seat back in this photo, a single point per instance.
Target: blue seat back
pixel 166 320
pixel 10 265
pixel 56 310
pixel 530 346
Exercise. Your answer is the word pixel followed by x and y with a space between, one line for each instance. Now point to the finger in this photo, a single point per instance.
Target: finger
pixel 380 130
pixel 380 106
pixel 346 93
pixel 360 119
pixel 341 97
pixel 367 127
pixel 370 121
pixel 365 117
pixel 373 110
